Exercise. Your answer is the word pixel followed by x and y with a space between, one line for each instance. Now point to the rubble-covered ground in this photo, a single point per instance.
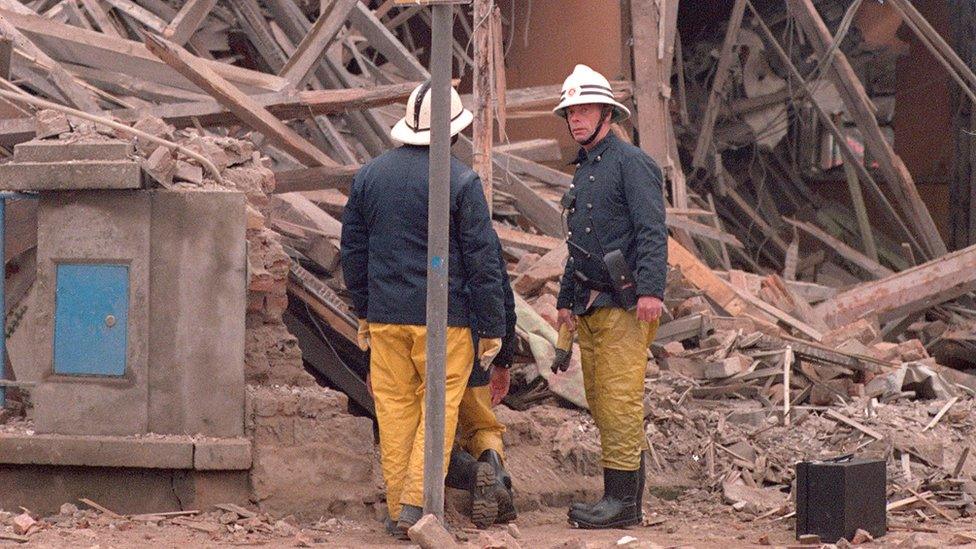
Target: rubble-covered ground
pixel 720 475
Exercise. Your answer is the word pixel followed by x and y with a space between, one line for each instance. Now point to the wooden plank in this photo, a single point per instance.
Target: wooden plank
pixel 122 84
pixel 745 206
pixel 535 243
pixel 75 16
pixel 284 105
pixel 95 49
pixel 863 223
pixel 654 27
pixel 942 412
pixel 717 223
pixel 243 106
pixel 307 54
pixel 315 179
pixel 860 108
pixel 906 292
pixel 543 214
pixel 296 209
pixel 252 21
pixel 366 126
pixel 187 20
pixel 6 53
pixel 483 127
pixel 512 163
pixel 385 42
pixel 873 267
pixel 77 95
pixel 702 277
pixel 139 13
pixel 536 150
pixel 790 320
pixel 837 416
pixel 101 17
pixel 702 230
pixel 703 148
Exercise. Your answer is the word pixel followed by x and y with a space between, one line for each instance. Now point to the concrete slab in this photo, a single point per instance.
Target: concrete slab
pixel 197 307
pixel 58 151
pixel 93 227
pixel 78 175
pixel 222 455
pixel 96 451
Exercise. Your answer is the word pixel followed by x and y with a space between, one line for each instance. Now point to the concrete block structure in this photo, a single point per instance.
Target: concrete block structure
pixel 140 313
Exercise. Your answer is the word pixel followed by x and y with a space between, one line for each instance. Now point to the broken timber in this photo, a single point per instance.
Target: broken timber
pixel 233 99
pixel 860 108
pixel 906 292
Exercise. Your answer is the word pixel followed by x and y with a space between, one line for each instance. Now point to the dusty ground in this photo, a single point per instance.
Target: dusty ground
pixel 676 526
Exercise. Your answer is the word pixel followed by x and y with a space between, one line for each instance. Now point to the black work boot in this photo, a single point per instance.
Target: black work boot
pixel 466 473
pixel 618 508
pixel 503 487
pixel 409 515
pixel 582 506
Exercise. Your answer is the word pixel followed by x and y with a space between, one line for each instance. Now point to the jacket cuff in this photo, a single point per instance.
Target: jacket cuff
pixel 651 291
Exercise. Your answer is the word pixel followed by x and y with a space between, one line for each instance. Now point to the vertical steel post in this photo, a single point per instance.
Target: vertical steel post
pixel 438 216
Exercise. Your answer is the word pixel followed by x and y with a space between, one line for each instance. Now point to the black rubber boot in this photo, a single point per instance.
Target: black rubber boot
pixel 640 489
pixel 466 473
pixel 409 515
pixel 618 508
pixel 503 487
pixel 582 506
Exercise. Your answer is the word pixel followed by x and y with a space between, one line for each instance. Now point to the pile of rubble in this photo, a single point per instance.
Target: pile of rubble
pixel 774 348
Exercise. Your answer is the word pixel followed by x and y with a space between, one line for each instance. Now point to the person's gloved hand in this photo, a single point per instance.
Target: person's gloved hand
pixel 487 349
pixel 498 384
pixel 362 336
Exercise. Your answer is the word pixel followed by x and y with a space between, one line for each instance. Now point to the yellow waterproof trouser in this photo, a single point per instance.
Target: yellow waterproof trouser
pixel 397 365
pixel 478 428
pixel 613 352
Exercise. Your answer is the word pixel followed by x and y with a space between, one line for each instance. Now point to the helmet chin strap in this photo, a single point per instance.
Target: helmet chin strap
pixel 603 120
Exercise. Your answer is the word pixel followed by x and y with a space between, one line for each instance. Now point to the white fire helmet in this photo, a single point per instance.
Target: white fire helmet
pixel 414 127
pixel 585 86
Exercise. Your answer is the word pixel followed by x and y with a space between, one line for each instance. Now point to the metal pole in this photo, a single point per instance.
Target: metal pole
pixel 438 216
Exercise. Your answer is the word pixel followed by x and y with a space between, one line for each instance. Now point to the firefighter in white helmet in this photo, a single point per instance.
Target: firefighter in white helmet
pixel 612 290
pixel 384 263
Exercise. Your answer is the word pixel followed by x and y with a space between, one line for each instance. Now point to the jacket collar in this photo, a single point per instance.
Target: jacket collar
pixel 598 150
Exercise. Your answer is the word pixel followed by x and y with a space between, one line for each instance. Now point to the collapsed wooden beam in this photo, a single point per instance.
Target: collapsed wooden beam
pixel 315 179
pixel 703 149
pixel 95 49
pixel 188 20
pixel 308 53
pixel 857 258
pixel 284 105
pixel 909 291
pixel 860 108
pixel 73 91
pixel 255 116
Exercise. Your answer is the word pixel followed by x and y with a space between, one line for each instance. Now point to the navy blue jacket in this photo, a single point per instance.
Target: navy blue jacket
pixel 616 203
pixel 479 376
pixel 384 245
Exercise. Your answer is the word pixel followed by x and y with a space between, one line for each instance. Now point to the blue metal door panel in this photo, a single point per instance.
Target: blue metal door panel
pixel 91 309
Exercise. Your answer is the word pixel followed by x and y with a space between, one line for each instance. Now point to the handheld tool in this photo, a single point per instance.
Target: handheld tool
pixel 564 350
